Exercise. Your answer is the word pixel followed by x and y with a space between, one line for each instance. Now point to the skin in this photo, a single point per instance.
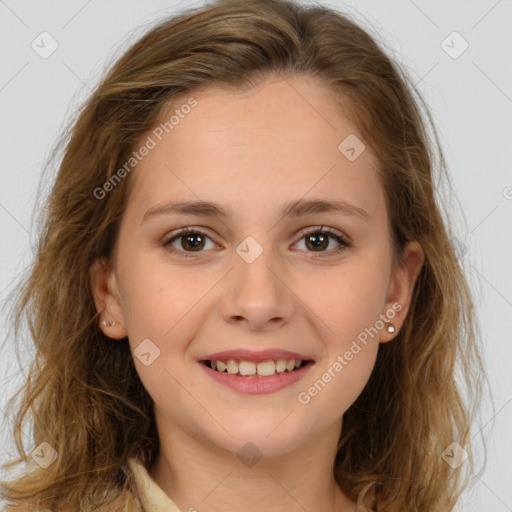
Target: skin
pixel 252 153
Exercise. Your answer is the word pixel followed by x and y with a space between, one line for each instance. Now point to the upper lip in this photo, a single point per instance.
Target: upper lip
pixel 255 356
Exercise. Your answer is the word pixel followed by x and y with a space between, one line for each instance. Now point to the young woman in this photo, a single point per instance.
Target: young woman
pixel 245 296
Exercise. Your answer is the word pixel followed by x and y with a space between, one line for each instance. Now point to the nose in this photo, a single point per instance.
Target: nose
pixel 257 294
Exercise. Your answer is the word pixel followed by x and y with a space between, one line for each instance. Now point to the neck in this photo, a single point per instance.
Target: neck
pixel 198 476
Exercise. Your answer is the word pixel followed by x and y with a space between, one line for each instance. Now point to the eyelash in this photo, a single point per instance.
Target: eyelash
pixel 341 239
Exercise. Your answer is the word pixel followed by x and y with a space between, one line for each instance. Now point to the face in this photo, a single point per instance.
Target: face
pixel 271 270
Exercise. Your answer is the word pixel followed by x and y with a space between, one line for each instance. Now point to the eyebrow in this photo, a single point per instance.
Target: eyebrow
pixel 293 209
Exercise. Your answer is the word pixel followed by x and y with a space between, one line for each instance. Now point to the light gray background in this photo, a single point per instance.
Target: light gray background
pixel 469 96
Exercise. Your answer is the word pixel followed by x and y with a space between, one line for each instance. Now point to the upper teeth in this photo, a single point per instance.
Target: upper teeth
pixel 264 369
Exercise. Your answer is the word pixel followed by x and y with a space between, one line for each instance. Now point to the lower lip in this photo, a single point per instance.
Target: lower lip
pixel 258 385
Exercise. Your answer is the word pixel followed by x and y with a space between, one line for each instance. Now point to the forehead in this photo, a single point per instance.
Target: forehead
pixel 282 136
pixel 273 104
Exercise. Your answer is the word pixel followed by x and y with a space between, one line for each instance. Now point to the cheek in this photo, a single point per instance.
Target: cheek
pixel 159 306
pixel 347 300
pixel 346 304
pixel 156 296
pixel 351 342
pixel 146 310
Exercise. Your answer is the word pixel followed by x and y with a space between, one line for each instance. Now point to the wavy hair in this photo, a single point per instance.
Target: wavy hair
pixel 82 393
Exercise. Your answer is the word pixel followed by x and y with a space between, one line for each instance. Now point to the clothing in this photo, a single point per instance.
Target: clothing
pixel 153 498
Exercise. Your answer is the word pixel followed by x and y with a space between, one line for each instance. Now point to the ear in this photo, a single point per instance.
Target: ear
pixel 106 298
pixel 401 287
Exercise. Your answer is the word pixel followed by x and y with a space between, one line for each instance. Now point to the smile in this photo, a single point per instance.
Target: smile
pixel 245 377
pixel 251 368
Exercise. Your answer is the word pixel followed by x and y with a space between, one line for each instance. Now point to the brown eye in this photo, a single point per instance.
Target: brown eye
pixel 187 240
pixel 319 240
pixel 193 242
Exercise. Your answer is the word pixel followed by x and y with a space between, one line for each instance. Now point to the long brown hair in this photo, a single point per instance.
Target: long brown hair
pixel 83 394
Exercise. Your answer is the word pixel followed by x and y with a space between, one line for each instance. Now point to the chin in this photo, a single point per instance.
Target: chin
pixel 263 440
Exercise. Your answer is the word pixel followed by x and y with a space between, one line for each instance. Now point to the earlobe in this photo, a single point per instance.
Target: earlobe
pixel 106 299
pixel 401 288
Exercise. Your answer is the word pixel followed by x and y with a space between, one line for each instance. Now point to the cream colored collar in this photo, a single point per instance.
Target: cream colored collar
pixel 153 497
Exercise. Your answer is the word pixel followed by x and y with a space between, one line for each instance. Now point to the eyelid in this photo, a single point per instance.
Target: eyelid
pixel 326 229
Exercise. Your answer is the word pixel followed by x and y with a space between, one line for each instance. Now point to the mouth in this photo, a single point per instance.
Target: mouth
pixel 259 372
pixel 261 377
pixel 260 369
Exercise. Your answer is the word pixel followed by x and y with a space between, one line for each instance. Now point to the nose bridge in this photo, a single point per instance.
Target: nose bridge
pixel 257 292
pixel 254 276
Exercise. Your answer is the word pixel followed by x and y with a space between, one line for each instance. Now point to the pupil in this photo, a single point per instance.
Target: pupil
pixel 323 241
pixel 189 240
